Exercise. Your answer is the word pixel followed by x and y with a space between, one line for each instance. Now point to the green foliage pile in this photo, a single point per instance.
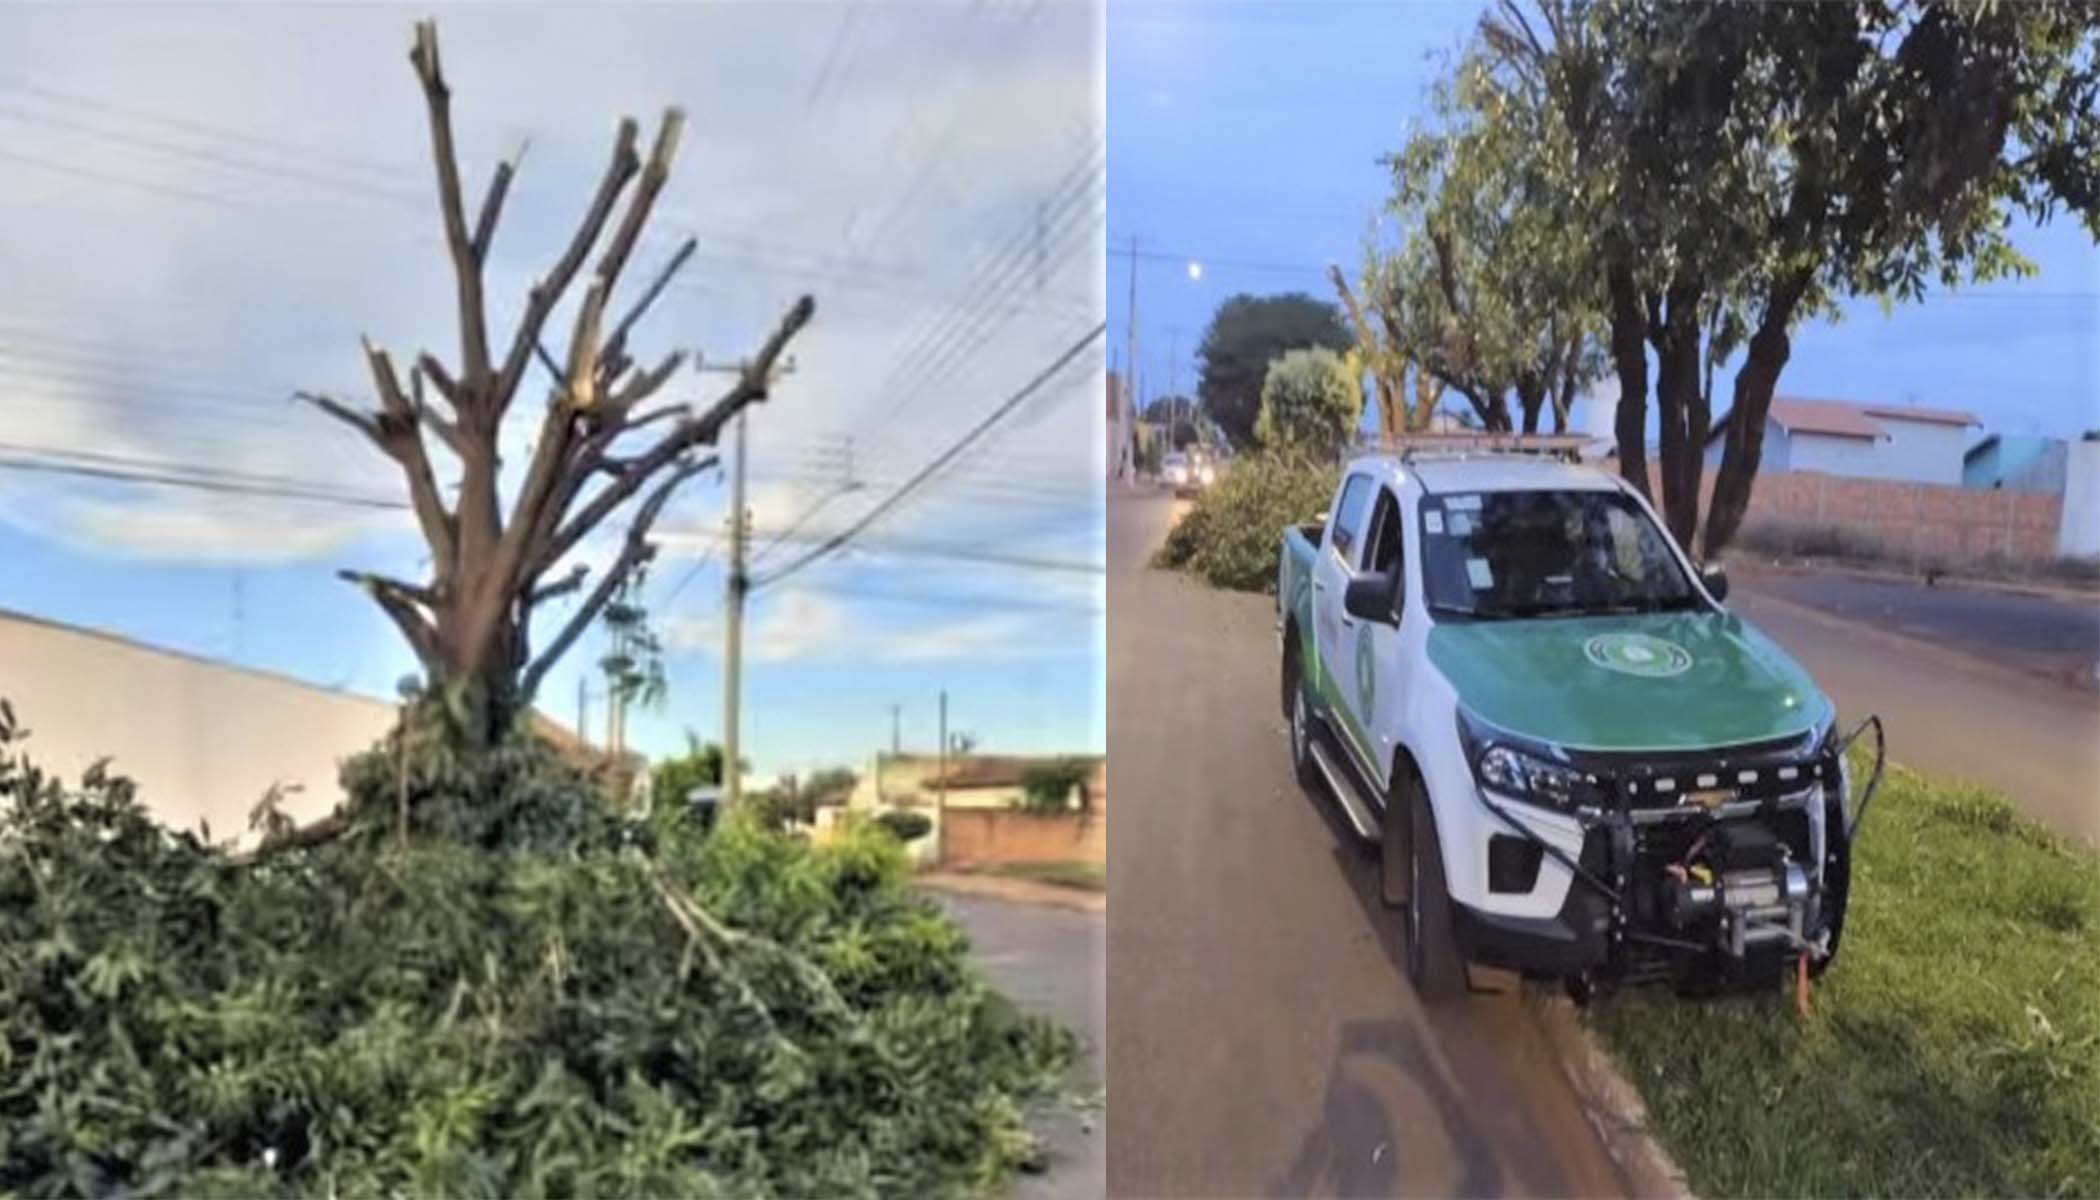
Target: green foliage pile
pixel 523 997
pixel 1311 404
pixel 1233 533
pixel 1952 1050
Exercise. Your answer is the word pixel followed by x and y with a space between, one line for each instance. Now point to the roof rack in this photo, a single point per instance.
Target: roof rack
pixel 1418 446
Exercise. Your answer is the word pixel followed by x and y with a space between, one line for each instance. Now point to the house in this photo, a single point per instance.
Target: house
pixel 929 784
pixel 2016 462
pixel 1908 443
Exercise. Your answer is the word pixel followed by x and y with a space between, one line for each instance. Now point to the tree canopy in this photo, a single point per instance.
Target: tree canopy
pixel 1244 336
pixel 1674 188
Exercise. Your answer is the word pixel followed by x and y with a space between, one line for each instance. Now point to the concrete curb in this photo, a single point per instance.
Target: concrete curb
pixel 1608 1098
pixel 1013 891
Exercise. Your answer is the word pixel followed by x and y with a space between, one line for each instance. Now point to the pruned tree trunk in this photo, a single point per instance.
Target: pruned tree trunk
pixel 470 623
pixel 1387 375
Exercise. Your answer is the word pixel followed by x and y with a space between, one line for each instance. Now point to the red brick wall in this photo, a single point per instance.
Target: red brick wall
pixel 976 837
pixel 1921 522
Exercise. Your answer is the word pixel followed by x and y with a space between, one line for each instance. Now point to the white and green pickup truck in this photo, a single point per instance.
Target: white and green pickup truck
pixel 1574 761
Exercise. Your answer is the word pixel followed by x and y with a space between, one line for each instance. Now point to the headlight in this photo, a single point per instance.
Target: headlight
pixel 1520 768
pixel 1204 474
pixel 1515 773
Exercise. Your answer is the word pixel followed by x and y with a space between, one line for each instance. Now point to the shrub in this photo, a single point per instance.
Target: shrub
pixel 1049 787
pixel 905 825
pixel 1231 536
pixel 1311 404
pixel 526 997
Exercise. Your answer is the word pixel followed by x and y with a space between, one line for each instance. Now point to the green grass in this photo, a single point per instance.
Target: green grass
pixel 1091 877
pixel 1953 1049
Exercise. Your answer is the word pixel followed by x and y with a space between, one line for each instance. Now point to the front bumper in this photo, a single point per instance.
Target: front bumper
pixel 1575 939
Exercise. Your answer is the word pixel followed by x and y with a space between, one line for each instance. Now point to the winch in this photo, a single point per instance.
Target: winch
pixel 1739 884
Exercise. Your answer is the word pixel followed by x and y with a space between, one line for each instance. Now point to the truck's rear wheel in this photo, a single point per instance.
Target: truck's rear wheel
pixel 1433 965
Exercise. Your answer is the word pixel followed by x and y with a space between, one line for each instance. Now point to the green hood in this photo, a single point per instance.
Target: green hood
pixel 1663 681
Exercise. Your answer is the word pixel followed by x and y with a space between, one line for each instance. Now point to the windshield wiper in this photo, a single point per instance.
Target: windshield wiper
pixel 1468 612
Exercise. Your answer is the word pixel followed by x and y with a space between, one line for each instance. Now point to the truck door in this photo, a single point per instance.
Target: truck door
pixel 1372 687
pixel 1335 629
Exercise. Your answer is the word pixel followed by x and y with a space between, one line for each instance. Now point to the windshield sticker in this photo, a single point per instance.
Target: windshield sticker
pixel 1637 654
pixel 1479 575
pixel 1462 524
pixel 1433 521
pixel 1469 501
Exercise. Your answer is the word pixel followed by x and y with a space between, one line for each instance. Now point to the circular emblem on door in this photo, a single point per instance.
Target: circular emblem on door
pixel 1637 654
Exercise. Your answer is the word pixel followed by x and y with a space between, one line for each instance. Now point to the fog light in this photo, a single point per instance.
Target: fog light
pixel 1513 863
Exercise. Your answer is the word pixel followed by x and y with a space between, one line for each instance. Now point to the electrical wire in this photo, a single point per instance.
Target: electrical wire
pixel 838 540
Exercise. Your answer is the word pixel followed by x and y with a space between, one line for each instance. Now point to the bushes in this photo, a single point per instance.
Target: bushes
pixel 528 997
pixel 905 825
pixel 1232 535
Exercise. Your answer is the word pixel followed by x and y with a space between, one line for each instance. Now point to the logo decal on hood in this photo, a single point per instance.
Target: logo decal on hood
pixel 1637 654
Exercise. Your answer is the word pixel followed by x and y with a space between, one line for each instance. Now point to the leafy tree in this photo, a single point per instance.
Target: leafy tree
pixel 904 824
pixel 1228 537
pixel 1382 350
pixel 672 780
pixel 1311 404
pixel 1245 335
pixel 1735 169
pixel 470 622
pixel 1052 787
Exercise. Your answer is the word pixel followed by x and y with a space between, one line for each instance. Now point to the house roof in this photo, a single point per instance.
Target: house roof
pixel 995 770
pixel 1835 418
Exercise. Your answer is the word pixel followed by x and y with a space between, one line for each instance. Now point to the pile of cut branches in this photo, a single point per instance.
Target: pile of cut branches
pixel 508 993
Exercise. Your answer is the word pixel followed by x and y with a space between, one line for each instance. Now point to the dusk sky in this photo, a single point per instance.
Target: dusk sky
pixel 1246 137
pixel 202 214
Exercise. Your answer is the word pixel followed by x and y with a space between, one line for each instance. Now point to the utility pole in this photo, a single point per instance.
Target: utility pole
pixel 583 710
pixel 940 783
pixel 733 652
pixel 896 730
pixel 739 586
pixel 1127 411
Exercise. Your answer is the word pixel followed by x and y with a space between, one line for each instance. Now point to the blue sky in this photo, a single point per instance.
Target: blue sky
pixel 1246 137
pixel 198 214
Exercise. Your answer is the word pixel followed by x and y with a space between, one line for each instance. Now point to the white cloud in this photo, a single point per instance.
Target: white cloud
pixel 799 625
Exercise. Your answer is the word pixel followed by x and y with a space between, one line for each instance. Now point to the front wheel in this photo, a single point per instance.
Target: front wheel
pixel 1433 964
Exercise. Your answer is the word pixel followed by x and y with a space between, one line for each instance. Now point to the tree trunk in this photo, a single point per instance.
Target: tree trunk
pixel 1676 340
pixel 1531 398
pixel 1744 443
pixel 1629 353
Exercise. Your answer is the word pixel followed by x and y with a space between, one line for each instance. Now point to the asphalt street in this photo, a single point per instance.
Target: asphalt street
pixel 1968 683
pixel 1051 961
pixel 1264 1040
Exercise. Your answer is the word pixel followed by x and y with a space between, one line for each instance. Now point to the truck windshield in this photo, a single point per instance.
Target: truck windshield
pixel 1502 555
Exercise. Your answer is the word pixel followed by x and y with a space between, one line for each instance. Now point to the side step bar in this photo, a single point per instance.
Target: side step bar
pixel 1341 781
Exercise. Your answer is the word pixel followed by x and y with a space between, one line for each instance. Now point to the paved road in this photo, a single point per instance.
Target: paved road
pixel 2057 637
pixel 1264 1040
pixel 1053 961
pixel 1954 675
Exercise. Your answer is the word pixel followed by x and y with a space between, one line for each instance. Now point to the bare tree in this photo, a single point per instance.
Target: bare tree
pixel 470 623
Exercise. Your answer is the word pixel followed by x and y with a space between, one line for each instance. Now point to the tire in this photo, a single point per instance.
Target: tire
pixel 1395 826
pixel 1433 964
pixel 1298 713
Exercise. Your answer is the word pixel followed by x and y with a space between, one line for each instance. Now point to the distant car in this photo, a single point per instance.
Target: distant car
pixel 1186 473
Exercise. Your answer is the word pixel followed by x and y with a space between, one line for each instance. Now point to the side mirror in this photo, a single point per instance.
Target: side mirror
pixel 1716 581
pixel 1369 597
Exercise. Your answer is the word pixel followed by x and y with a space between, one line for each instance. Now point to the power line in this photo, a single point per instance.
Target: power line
pixel 200 482
pixel 837 540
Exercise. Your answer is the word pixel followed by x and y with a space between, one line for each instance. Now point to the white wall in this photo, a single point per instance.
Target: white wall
pixel 1776 455
pixel 203 740
pixel 1923 451
pixel 2078 535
